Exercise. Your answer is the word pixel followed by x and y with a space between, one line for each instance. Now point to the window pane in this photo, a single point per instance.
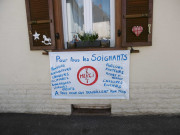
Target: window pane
pixel 101 18
pixel 75 17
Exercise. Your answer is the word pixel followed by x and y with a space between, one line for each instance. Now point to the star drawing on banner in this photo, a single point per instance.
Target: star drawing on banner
pixel 36 35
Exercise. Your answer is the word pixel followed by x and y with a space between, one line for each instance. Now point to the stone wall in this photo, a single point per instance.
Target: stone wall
pixel 146 98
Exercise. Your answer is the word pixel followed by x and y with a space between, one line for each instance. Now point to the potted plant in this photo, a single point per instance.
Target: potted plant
pixel 88 40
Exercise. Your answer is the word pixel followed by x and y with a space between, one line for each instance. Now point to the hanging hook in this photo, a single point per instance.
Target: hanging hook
pixel 133 51
pixel 45 52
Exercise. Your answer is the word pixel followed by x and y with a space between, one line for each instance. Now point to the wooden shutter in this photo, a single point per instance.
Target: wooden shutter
pixel 137 14
pixel 40 20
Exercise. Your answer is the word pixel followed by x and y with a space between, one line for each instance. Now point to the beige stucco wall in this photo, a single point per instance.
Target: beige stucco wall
pixel 154 72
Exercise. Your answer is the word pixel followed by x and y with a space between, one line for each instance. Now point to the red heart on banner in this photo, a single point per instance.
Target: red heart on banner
pixel 137 30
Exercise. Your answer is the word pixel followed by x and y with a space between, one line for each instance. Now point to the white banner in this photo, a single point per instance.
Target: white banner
pixel 90 74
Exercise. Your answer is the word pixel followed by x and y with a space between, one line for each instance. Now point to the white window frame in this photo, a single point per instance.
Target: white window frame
pixel 88 16
pixel 88 20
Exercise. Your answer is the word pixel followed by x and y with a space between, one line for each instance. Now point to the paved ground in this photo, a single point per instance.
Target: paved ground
pixel 31 124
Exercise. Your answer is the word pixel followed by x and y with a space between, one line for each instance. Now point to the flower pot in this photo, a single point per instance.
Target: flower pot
pixel 105 43
pixel 70 45
pixel 85 44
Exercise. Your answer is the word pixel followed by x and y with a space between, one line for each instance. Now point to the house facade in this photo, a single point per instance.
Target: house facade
pixel 25 82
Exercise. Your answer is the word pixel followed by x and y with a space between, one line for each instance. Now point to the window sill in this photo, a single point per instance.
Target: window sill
pixel 91 49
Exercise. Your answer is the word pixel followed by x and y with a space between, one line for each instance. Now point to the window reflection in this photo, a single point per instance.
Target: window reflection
pixel 101 18
pixel 75 17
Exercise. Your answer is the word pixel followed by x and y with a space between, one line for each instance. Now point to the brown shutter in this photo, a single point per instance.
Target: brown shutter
pixel 40 20
pixel 137 14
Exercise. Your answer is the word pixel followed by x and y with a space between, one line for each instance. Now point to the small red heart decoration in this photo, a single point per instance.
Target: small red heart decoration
pixel 137 30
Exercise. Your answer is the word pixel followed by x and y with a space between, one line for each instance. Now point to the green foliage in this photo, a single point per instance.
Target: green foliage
pixel 88 36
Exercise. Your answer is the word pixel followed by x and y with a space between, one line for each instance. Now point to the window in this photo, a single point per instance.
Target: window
pixel 53 23
pixel 88 16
